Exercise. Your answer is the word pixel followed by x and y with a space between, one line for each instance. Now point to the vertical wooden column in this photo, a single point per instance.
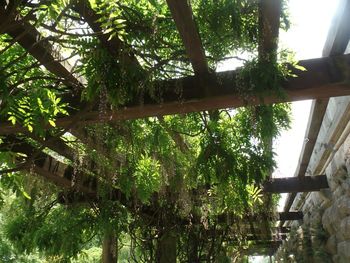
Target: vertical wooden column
pixel 166 247
pixel 109 248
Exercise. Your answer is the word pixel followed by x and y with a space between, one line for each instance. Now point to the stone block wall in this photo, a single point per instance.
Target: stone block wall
pixel 324 233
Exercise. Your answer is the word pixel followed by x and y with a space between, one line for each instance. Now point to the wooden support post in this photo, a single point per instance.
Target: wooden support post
pixel 296 184
pixel 166 247
pixel 109 248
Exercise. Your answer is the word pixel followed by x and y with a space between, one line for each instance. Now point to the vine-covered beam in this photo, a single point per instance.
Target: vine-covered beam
pixel 269 24
pixel 323 78
pixel 41 163
pixel 113 44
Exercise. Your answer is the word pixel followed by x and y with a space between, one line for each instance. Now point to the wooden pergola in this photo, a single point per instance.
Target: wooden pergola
pixel 324 77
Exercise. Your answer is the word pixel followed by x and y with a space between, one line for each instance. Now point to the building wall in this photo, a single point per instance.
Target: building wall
pixel 324 233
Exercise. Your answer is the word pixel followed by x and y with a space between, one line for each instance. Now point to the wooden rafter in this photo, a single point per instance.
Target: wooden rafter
pixel 181 12
pixel 269 25
pixel 60 181
pixel 113 44
pixel 339 32
pixel 39 47
pixel 45 165
pixel 296 184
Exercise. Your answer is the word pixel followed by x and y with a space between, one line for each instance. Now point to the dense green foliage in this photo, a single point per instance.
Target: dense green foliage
pixel 189 179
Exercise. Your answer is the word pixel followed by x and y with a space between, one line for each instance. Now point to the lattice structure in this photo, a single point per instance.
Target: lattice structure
pixel 205 90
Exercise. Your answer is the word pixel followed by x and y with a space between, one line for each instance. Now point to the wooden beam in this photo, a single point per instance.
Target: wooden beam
pixel 47 166
pixel 324 77
pixel 38 46
pixel 269 24
pixel 339 32
pixel 283 230
pixel 181 12
pixel 296 184
pixel 83 8
pixel 61 181
pixel 318 109
pixel 114 45
pixel 285 216
pixel 258 217
pixel 30 39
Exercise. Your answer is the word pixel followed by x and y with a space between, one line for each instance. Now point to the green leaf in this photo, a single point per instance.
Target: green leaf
pixel 12 119
pixel 30 128
pixel 26 195
pixel 52 123
pixel 301 68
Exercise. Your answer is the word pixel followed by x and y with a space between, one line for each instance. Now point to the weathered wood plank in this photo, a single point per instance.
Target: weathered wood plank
pixel 182 14
pixel 296 184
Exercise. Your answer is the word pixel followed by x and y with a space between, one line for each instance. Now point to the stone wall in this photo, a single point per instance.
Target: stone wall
pixel 324 233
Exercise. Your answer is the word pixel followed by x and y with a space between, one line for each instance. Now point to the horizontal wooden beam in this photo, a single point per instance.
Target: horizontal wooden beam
pixel 296 184
pixel 324 77
pixel 61 181
pixel 284 216
pixel 258 217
